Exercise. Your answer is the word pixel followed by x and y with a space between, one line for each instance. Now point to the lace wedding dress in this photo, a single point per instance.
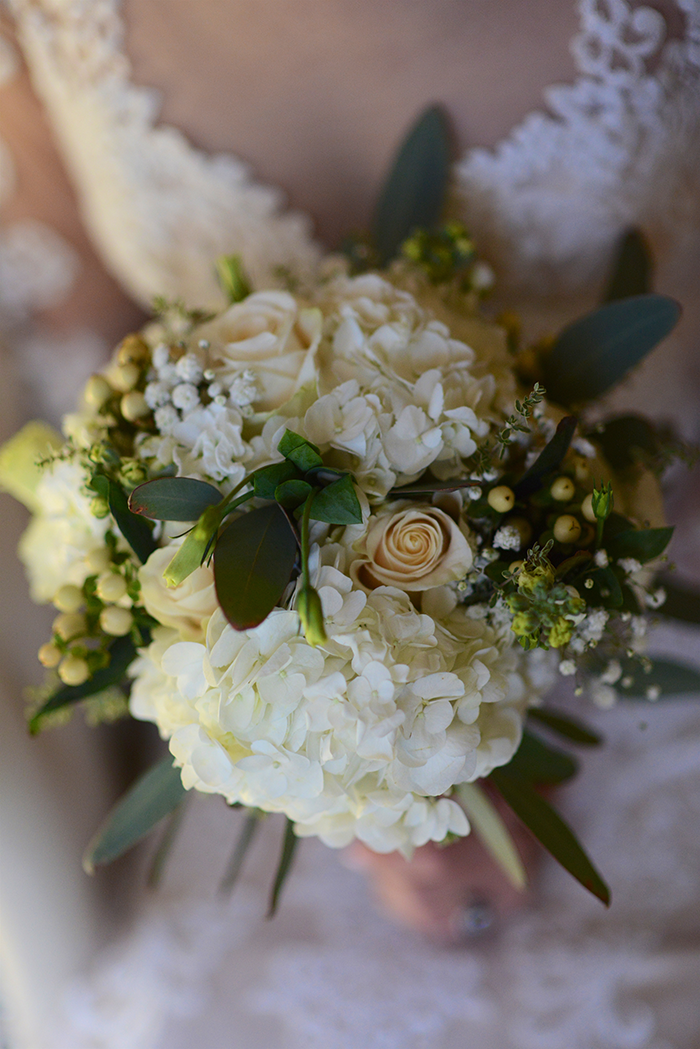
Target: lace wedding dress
pixel 619 146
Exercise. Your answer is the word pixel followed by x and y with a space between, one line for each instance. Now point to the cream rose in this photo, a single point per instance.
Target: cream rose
pixel 187 607
pixel 272 335
pixel 415 548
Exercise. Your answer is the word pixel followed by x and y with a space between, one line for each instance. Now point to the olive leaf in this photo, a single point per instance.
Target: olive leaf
pixel 152 797
pixel 413 194
pixel 488 823
pixel 173 498
pixel 253 562
pixel 289 846
pixel 243 843
pixel 564 725
pixel 538 762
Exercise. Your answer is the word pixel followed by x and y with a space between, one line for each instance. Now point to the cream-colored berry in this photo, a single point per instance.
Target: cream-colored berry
pixel 111 587
pixel 124 377
pixel 73 671
pixel 523 528
pixel 562 489
pixel 50 655
pixel 69 598
pixel 97 391
pixel 116 621
pixel 501 498
pixel 566 529
pixel 133 348
pixel 98 560
pixel 587 509
pixel 69 625
pixel 133 406
pixel 582 470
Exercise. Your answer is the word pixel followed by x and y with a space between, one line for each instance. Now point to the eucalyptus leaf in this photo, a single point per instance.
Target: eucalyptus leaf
pixel 430 486
pixel 682 602
pixel 299 451
pixel 643 544
pixel 538 762
pixel 122 653
pixel 550 830
pixel 488 823
pixel 266 481
pixel 594 353
pixel 137 532
pixel 673 679
pixel 624 438
pixel 173 498
pixel 157 793
pixel 566 726
pixel 289 846
pixel 413 194
pixel 549 458
pixel 632 269
pixel 291 494
pixel 253 561
pixel 337 503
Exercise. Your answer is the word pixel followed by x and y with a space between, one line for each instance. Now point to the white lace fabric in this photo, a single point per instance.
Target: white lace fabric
pixel 619 146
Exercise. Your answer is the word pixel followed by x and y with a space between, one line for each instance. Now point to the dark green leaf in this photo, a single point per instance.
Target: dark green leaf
pixel 337 503
pixel 430 486
pixel 267 480
pixel 594 353
pixel 299 451
pixel 674 679
pixel 549 458
pixel 291 494
pixel 323 475
pixel 622 440
pixel 565 725
pixel 243 843
pixel 137 532
pixel 122 654
pixel 682 602
pixel 413 194
pixel 289 846
pixel 152 797
pixel 253 562
pixel 550 830
pixel 606 590
pixel 173 498
pixel 632 269
pixel 537 762
pixel 644 544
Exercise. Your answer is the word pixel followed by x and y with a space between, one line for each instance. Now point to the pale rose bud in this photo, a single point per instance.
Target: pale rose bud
pixel 501 499
pixel 69 625
pixel 116 621
pixel 311 614
pixel 69 598
pixel 111 587
pixel 415 548
pixel 73 671
pixel 50 655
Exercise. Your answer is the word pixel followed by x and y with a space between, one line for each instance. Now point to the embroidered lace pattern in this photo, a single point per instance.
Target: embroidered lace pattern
pixel 548 204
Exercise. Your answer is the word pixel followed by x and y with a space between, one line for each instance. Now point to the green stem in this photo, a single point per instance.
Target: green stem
pixel 305 538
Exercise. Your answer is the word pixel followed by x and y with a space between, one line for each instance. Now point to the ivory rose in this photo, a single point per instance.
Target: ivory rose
pixel 414 548
pixel 270 334
pixel 186 607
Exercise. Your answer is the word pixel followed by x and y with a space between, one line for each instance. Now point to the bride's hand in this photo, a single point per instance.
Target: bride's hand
pixel 448 893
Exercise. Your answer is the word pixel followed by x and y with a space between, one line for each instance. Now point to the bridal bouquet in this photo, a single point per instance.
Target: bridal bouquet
pixel 337 542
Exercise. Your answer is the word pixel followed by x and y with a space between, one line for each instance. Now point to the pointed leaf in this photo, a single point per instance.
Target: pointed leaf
pixel 624 438
pixel 549 458
pixel 267 480
pixel 137 532
pixel 253 562
pixel 632 268
pixel 152 797
pixel 537 762
pixel 122 654
pixel 193 549
pixel 173 498
pixel 289 846
pixel 299 451
pixel 414 192
pixel 167 842
pixel 291 494
pixel 594 353
pixel 644 544
pixel 673 679
pixel 488 823
pixel 243 843
pixel 550 830
pixel 564 725
pixel 430 486
pixel 337 503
